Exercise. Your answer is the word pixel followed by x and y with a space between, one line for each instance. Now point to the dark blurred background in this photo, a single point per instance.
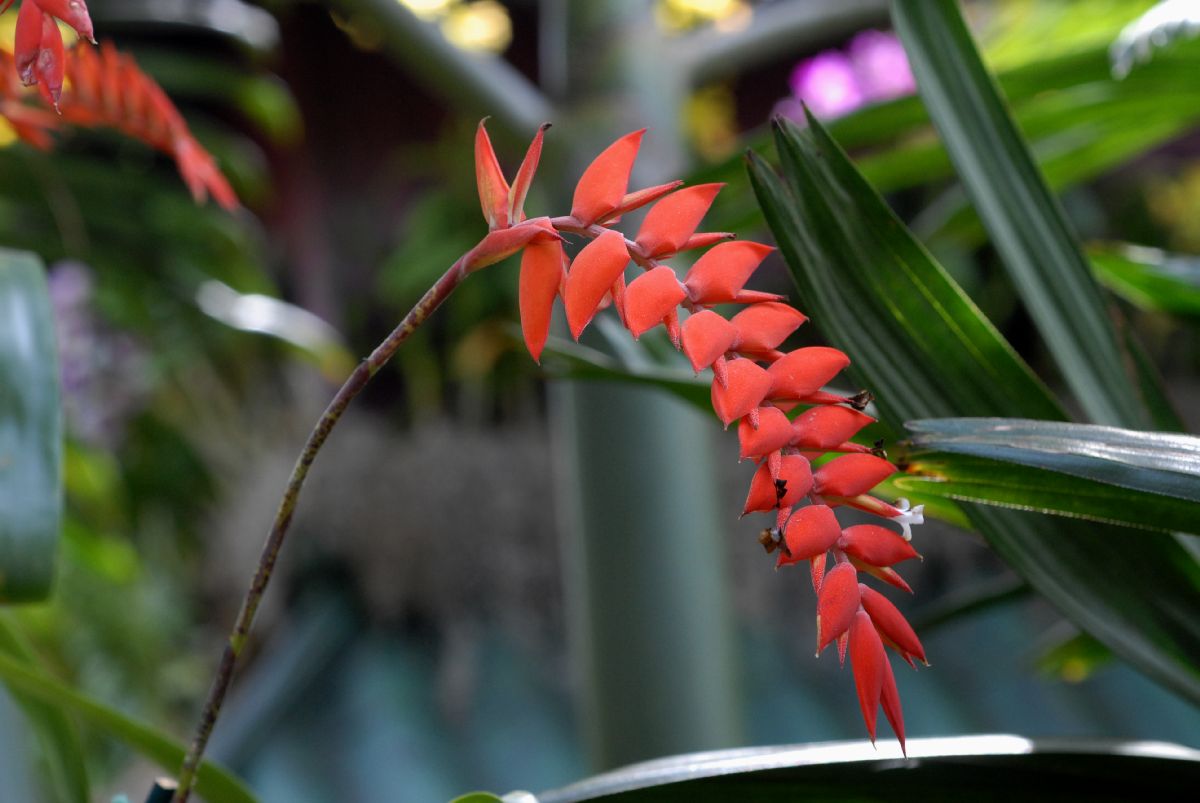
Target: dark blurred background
pixel 500 577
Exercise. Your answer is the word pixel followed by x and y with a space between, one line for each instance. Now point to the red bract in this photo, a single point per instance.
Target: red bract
pixel 38 45
pixel 601 189
pixel 707 336
pixel 763 389
pixel 870 666
pixel 827 428
pixel 770 433
pixel 651 298
pixel 852 474
pixel 875 545
pixel 719 275
pixel 803 372
pixel 674 219
pixel 762 327
pixel 592 275
pixel 791 484
pixel 837 604
pixel 745 386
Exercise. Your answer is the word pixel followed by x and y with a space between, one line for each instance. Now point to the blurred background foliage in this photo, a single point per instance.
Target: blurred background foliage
pixel 418 638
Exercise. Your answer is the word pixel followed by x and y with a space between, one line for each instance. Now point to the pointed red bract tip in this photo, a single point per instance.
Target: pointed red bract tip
pixel 891 624
pixel 540 279
pixel 650 298
pixel 601 188
pixel 890 699
pixel 592 275
pixel 810 532
pixel 827 426
pixel 771 433
pixel 719 275
pixel 638 199
pixel 869 662
pixel 706 336
pixel 805 371
pixel 27 41
pixel 489 178
pixel 525 173
pixel 671 221
pixel 884 573
pixel 876 545
pixel 745 385
pixel 72 12
pixel 793 478
pixel 50 64
pixel 762 327
pixel 852 474
pixel 704 239
pixel 503 243
pixel 836 604
pixel 816 571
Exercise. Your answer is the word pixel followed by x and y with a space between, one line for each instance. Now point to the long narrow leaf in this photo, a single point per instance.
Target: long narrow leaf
pixel 1150 278
pixel 1145 480
pixel 875 293
pixel 214 783
pixel 30 431
pixel 1026 223
pixel 55 733
pixel 1164 463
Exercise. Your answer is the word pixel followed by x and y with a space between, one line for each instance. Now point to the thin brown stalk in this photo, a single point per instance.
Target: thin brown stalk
pixel 432 299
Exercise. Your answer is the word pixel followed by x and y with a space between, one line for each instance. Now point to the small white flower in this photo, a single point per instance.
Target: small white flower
pixel 908 517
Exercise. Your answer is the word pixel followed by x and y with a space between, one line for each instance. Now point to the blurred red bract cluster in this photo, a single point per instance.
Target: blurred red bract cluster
pixel 94 87
pixel 785 419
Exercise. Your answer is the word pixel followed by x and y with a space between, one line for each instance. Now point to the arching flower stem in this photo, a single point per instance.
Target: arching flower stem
pixel 354 385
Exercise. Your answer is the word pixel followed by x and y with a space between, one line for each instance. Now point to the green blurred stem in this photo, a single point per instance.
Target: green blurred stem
pixel 358 380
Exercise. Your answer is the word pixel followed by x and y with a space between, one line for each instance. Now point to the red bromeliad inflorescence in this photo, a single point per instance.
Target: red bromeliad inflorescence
pixel 785 418
pixel 93 87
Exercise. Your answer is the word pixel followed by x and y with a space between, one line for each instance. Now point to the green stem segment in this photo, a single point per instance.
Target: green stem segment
pixel 358 380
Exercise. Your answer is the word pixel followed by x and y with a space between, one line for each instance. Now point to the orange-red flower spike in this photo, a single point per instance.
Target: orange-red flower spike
pixel 746 384
pixel 827 427
pixel 520 185
pixel 771 434
pixel 592 275
pixel 671 221
pixel 869 662
pixel 489 178
pixel 891 624
pixel 837 603
pixel 793 479
pixel 804 371
pixel 876 545
pixel 706 336
pixel 762 327
pixel 810 532
pixel 72 12
pixel 601 189
pixel 650 298
pixel 719 275
pixel 539 283
pixel 852 474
